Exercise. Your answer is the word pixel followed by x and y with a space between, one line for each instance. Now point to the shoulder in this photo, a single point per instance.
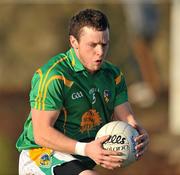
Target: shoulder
pixel 53 70
pixel 54 66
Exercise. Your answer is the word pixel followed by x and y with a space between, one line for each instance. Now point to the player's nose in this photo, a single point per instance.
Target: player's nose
pixel 100 50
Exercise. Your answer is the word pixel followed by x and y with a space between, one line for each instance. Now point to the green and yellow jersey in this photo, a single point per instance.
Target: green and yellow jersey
pixel 86 101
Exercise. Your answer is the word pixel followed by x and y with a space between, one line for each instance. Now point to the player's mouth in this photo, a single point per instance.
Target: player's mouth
pixel 99 61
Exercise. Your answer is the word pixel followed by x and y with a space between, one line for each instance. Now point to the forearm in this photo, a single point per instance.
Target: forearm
pixel 53 139
pixel 129 119
pixel 46 135
pixel 124 113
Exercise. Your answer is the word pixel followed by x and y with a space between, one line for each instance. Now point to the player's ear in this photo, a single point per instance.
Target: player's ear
pixel 73 41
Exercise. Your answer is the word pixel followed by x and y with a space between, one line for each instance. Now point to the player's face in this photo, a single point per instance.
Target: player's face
pixel 91 48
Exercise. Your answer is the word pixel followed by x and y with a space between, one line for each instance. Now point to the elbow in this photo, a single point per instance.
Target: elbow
pixel 38 139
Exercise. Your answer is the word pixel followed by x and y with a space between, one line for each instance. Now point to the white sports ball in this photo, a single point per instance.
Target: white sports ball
pixel 121 139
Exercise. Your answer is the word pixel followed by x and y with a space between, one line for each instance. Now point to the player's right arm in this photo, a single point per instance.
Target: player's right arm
pixel 46 135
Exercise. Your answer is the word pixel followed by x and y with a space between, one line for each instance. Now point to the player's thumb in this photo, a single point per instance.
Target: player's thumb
pixel 103 138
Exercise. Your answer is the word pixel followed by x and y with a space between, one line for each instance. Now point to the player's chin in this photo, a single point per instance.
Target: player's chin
pixel 94 70
pixel 97 67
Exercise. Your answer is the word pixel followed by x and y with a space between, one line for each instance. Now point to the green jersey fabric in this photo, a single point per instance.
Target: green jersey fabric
pixel 86 101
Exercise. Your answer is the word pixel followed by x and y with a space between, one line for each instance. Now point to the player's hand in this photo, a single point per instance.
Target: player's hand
pixel 105 158
pixel 142 140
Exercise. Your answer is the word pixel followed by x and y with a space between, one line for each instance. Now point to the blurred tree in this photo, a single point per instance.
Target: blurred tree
pixel 8 164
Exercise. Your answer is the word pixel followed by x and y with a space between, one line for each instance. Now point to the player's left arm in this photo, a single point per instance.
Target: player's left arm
pixel 124 113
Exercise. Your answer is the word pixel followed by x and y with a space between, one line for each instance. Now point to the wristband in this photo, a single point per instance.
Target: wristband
pixel 80 148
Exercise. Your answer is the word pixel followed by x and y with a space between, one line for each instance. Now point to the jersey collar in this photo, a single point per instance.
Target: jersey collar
pixel 75 63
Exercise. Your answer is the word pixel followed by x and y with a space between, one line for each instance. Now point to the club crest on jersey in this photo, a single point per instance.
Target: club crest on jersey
pixel 107 95
pixel 90 119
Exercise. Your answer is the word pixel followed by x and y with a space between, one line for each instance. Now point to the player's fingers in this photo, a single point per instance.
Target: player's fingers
pixel 106 166
pixel 110 158
pixel 111 153
pixel 139 138
pixel 142 138
pixel 110 167
pixel 115 159
pixel 139 154
pixel 142 145
pixel 141 148
pixel 146 143
pixel 110 164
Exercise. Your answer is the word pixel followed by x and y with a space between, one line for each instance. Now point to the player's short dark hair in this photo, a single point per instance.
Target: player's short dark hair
pixel 90 18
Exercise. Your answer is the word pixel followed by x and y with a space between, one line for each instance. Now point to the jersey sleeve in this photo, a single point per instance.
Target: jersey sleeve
pixel 46 92
pixel 121 89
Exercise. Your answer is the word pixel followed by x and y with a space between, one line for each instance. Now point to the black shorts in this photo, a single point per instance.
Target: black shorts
pixel 73 167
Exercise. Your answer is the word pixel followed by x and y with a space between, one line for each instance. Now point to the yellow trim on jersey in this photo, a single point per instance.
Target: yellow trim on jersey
pixel 41 88
pixel 37 100
pixel 66 82
pixel 73 59
pixel 51 69
pixel 118 79
pixel 65 119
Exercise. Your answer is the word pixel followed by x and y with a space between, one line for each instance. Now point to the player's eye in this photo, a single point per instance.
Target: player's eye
pixel 93 45
pixel 104 45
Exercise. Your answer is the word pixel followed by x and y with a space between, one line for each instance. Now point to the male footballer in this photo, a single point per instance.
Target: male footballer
pixel 72 96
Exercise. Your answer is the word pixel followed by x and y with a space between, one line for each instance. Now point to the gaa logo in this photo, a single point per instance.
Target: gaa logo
pixel 77 95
